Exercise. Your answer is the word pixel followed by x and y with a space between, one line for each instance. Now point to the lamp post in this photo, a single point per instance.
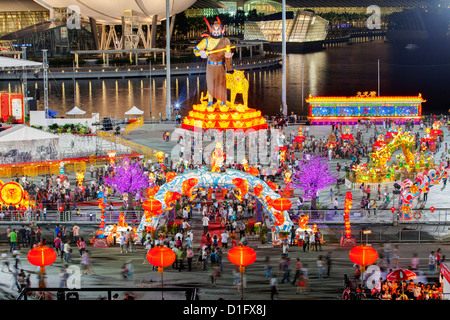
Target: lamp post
pixel 161 257
pixel 242 256
pixel 41 256
pixel 363 256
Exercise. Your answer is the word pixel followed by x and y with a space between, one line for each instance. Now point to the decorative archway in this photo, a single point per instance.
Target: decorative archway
pixel 232 179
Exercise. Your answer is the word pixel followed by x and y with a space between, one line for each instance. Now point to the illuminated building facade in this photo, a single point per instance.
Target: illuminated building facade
pixel 364 106
pixel 15 15
pixel 304 31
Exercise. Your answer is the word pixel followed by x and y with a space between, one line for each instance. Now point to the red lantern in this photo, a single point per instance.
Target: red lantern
pixel 41 257
pixel 242 255
pixel 61 208
pixel 152 205
pixel 161 257
pixel 393 209
pixel 282 204
pixel 363 255
pixel 432 209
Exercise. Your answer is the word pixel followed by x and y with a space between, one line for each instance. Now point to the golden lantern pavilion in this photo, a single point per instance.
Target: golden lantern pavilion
pixel 228 115
pixel 364 106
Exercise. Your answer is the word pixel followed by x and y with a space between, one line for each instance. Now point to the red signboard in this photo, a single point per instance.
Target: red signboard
pixel 445 271
pixel 12 105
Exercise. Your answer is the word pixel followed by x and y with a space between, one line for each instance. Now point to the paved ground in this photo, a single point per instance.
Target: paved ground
pixel 108 262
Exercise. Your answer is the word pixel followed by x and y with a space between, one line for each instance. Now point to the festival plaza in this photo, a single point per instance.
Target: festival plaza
pixel 224 150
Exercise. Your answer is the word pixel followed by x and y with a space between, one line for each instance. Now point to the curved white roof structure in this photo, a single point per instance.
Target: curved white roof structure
pixel 111 11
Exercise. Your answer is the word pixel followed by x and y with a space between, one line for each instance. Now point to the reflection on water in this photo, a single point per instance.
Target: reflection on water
pixel 341 71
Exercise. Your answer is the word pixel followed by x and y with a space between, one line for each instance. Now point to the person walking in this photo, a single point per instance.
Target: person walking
pixel 86 263
pixel 432 262
pixel 306 242
pixel 273 286
pixel 312 242
pixel 320 266
pixel 76 233
pixel 189 257
pixel 5 260
pixel 123 242
pixel 329 263
pixel 205 223
pixel 13 240
pixel 67 252
pixel 81 245
pixel 286 269
pixel 298 270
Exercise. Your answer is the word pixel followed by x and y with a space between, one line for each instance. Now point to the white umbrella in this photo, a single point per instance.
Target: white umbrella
pixel 134 111
pixel 75 111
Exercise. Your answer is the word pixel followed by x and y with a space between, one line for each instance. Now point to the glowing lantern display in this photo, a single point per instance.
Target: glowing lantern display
pixel 41 256
pixel 161 257
pixel 347 207
pixel 282 204
pixel 258 189
pixel 241 186
pixel 303 221
pixel 170 176
pixel 152 191
pixel 188 186
pixel 160 156
pixel 112 157
pixel 152 205
pixel 347 240
pixel 171 197
pixel 11 193
pixel 272 185
pixel 241 255
pixel 363 255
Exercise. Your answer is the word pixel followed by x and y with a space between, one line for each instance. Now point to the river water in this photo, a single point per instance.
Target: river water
pixel 342 70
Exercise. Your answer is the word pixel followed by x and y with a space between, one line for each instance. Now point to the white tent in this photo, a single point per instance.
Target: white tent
pixel 134 111
pixel 22 143
pixel 75 111
pixel 11 63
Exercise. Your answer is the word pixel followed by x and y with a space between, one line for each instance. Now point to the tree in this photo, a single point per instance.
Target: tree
pixel 128 178
pixel 312 176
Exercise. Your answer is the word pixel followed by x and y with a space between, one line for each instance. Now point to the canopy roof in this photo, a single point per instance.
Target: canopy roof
pixel 134 111
pixel 75 111
pixel 23 132
pixel 11 63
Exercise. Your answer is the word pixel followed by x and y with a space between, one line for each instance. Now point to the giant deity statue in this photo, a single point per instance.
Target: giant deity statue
pixel 216 49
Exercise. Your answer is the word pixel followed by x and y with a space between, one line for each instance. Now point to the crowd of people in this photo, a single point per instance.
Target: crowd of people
pixel 53 192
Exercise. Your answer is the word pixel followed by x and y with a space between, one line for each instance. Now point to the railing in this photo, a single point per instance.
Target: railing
pixel 39 168
pixel 146 151
pixel 439 217
pixel 71 216
pixel 189 293
pixel 138 123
